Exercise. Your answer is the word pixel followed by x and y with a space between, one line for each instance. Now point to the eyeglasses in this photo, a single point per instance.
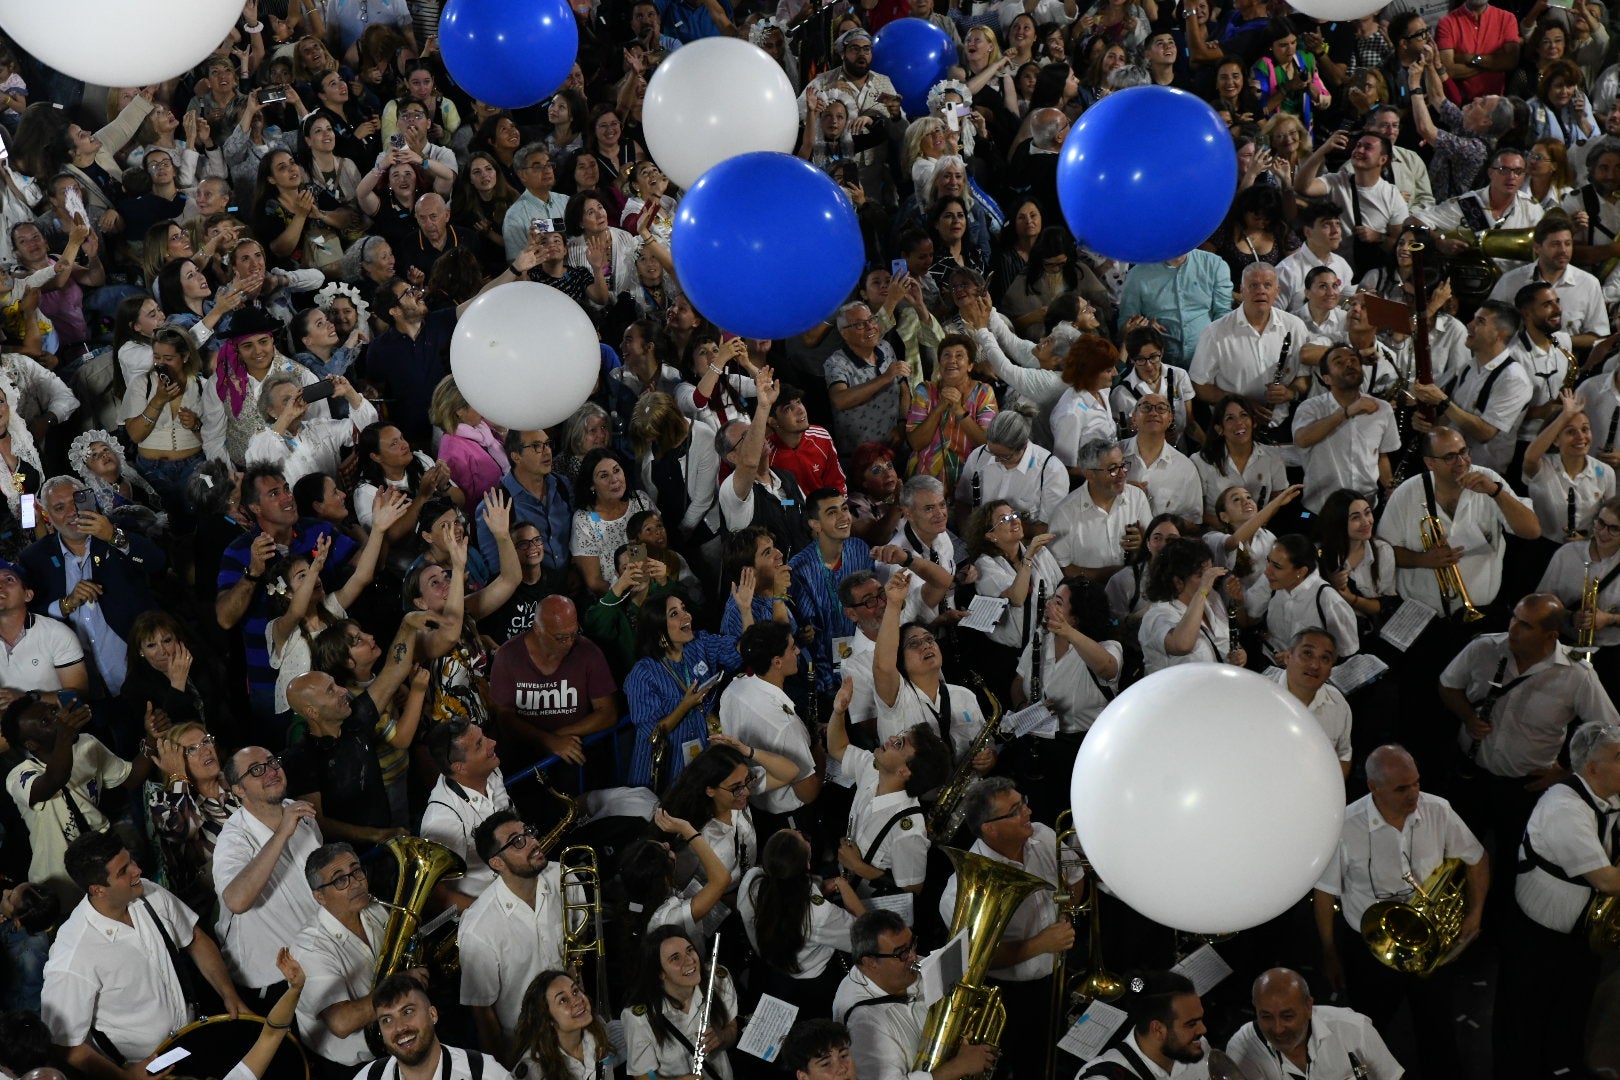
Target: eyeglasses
pixel 1112 470
pixel 1007 457
pixel 920 641
pixel 860 324
pixel 1012 516
pixel 538 444
pixel 871 603
pixel 343 881
pixel 1149 407
pixel 518 840
pixel 259 768
pixel 1148 358
pixel 410 290
pixel 1605 526
pixel 1020 808
pixel 208 740
pixel 1535 157
pixel 1451 458
pixel 735 789
pixel 1417 35
pixel 908 951
pixel 1507 171
pixel 532 542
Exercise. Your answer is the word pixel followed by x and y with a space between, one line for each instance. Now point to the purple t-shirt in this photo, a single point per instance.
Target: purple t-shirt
pixel 550 701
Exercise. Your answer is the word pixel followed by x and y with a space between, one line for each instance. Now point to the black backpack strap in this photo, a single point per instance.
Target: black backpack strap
pixel 377 1068
pixel 475 1064
pixel 1472 208
pixel 887 999
pixel 1532 859
pixel 1593 203
pixel 877 841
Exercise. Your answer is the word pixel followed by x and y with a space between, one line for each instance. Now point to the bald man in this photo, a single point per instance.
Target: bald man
pixel 1290 1036
pixel 433 236
pixel 551 686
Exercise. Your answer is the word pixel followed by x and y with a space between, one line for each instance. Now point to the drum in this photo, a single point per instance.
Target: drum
pixel 219 1043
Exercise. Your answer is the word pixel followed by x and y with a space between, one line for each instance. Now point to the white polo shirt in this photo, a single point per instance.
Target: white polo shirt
pixel 1329 708
pixel 338 966
pixel 452 813
pixel 1549 492
pixel 1335 1034
pixel 1563 830
pixel 1068 686
pixel 911 707
pixel 1089 536
pixel 826 934
pixel 1481 570
pixel 1264 474
pixel 1503 407
pixel 46 646
pixel 996 576
pixel 1348 457
pixel 735 842
pixel 762 716
pixel 904 850
pixel 1173 485
pixel 251 940
pixel 118 978
pixel 1038 910
pixel 1313 602
pixel 1580 296
pixel 1373 858
pixel 1214 636
pixel 50 823
pixel 1565 577
pixel 1036 484
pixel 883 1037
pixel 505 943
pixel 1546 368
pixel 646 1056
pixel 1235 357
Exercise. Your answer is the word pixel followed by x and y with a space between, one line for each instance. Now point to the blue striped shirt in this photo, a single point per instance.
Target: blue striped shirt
pixel 655 687
pixel 815 597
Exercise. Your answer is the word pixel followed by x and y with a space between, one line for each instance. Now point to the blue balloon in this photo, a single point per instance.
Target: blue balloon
pixel 1146 174
pixel 915 54
pixel 766 245
pixel 508 53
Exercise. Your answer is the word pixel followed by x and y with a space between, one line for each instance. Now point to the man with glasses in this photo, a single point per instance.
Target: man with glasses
pixel 864 601
pixel 1011 466
pixel 552 686
pixel 1347 434
pixel 880 1001
pixel 338 951
pixel 868 383
pixel 1503 203
pixel 538 203
pixel 1158 468
pixel 263 901
pixel 999 817
pixel 1102 522
pixel 1488 399
pixel 513 931
pixel 1395 829
pixel 538 496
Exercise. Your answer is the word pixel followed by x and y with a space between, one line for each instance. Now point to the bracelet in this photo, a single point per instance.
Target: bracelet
pixel 149 418
pixel 252 577
pixel 1498 492
pixel 750 753
pixel 273 1026
pixel 513 270
pixel 255 28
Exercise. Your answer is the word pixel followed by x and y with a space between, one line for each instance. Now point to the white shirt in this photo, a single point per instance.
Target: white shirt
pixel 1563 830
pixel 1036 484
pixel 458 1069
pixel 1258 547
pixel 1481 570
pixel 1313 602
pixel 1235 357
pixel 911 708
pixel 217 419
pixel 1171 480
pixel 1330 710
pixel 1528 721
pixel 505 943
pixel 1068 686
pixel 1348 456
pixel 251 940
pixel 35 662
pixel 645 1055
pixel 1089 536
pixel 996 576
pixel 95 769
pixel 1549 492
pixel 858 666
pixel 883 1038
pixel 1546 368
pixel 1602 408
pixel 940 550
pixel 1335 1034
pixel 1580 296
pixel 338 966
pixel 904 850
pixel 735 842
pixel 318 447
pixel 1448 349
pixel 826 929
pixel 452 813
pixel 1036 913
pixel 1292 270
pixel 761 715
pixel 1264 475
pixel 1522 213
pixel 1174 385
pixel 1565 577
pixel 1381 206
pixel 118 978
pixel 1373 857
pixel 1503 409
pixel 1178 1071
pixel 1211 646
pixel 1076 419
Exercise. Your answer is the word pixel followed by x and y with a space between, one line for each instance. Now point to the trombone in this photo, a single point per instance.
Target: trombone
pixel 1097 983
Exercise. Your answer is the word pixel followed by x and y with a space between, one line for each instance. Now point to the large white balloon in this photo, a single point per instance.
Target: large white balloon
pixel 525 355
pixel 120 42
pixel 1337 10
pixel 1207 798
pixel 712 100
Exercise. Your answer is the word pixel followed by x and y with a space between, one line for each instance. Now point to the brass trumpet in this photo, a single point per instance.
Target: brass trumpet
pixel 1585 639
pixel 1453 589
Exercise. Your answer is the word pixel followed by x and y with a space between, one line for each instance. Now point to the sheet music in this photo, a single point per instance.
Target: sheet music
pixel 902 904
pixel 1357 671
pixel 984 613
pixel 772 1020
pixel 1407 623
pixel 942 969
pixel 1090 1034
pixel 1034 719
pixel 1205 967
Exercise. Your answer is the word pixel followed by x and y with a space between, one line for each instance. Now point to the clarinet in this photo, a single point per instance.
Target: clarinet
pixel 1231 625
pixel 1357 1069
pixel 1614 429
pixel 1282 369
pixel 977 480
pixel 1035 647
pixel 1570 531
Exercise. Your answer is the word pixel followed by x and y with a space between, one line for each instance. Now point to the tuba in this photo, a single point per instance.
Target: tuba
pixel 1417 936
pixel 1474 272
pixel 1602 921
pixel 945 816
pixel 422 865
pixel 987 895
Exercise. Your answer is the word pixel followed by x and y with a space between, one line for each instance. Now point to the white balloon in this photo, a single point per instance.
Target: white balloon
pixel 525 355
pixel 712 100
pixel 1207 798
pixel 1337 10
pixel 120 42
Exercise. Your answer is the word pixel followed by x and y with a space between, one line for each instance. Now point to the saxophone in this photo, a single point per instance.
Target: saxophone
pixel 945 816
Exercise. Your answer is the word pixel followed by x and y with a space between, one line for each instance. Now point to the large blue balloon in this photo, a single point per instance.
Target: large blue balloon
pixel 508 53
pixel 766 245
pixel 1146 174
pixel 915 54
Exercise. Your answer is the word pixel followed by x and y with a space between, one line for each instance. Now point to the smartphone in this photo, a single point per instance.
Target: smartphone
pixel 963 110
pixel 84 502
pixel 897 267
pixel 1565 4
pixel 163 1061
pixel 637 552
pixel 540 226
pixel 272 94
pixel 318 391
pixel 397 142
pixel 74 201
pixel 27 506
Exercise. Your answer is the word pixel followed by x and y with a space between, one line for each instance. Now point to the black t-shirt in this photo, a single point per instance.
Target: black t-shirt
pixel 516 616
pixel 343 768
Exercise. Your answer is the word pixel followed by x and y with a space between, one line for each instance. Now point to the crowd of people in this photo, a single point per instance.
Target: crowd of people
pixel 278 604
